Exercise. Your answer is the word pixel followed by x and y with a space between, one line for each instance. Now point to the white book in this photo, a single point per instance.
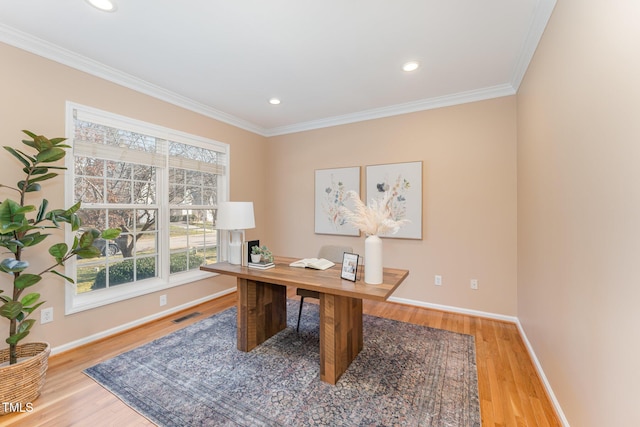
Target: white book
pixel 315 263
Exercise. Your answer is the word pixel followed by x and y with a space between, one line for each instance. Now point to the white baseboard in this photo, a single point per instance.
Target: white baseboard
pixel 452 309
pixel 512 319
pixel 138 322
pixel 543 377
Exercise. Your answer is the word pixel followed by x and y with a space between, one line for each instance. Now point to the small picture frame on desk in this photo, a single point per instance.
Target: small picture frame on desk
pixel 349 266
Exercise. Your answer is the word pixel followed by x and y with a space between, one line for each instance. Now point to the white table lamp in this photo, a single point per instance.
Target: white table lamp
pixel 235 217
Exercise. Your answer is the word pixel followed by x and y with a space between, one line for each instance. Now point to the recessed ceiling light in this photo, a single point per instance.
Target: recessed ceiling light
pixel 274 101
pixel 411 66
pixel 104 5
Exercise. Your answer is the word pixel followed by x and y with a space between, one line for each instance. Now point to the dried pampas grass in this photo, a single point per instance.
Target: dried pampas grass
pixel 374 219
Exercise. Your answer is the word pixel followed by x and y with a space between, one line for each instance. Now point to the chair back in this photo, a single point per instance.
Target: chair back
pixel 334 253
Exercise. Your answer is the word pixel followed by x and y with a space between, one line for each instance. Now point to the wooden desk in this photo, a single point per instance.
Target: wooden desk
pixel 262 307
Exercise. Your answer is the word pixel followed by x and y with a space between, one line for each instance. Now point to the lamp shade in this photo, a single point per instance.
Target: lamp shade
pixel 235 216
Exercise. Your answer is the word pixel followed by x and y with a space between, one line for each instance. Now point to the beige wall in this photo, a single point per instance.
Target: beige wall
pixel 579 209
pixel 469 198
pixel 34 91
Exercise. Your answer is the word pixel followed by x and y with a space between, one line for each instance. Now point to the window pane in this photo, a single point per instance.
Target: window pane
pixel 89 167
pixel 119 170
pixel 86 278
pixel 118 191
pixel 89 190
pixel 146 268
pixel 194 195
pixel 144 193
pixel 93 218
pixel 144 173
pixel 210 191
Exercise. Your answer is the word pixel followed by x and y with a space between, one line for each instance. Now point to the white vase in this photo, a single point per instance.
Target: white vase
pixel 373 260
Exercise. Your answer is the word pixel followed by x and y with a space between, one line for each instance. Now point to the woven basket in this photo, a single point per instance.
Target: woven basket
pixel 22 382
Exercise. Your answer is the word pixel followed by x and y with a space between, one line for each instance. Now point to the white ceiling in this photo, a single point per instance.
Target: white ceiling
pixel 330 61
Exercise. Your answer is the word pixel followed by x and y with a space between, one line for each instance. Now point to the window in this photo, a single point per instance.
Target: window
pixel 160 186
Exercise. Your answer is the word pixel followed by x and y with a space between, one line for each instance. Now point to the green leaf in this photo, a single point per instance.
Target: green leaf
pixel 11 310
pixel 42 211
pixel 12 265
pixel 31 134
pixel 12 212
pixel 57 141
pixel 26 325
pixel 51 155
pixel 90 252
pixel 87 238
pixel 68 279
pixel 18 156
pixel 43 177
pixel 31 188
pixel 36 171
pixel 34 238
pixel 59 250
pixel 75 222
pixel 111 233
pixel 33 308
pixel 14 242
pixel 73 209
pixel 14 339
pixel 30 299
pixel 25 280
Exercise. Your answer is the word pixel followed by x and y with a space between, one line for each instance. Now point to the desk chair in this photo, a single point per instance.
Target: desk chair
pixel 333 254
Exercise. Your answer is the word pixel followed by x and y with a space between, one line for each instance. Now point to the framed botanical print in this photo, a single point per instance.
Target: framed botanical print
pixel 331 187
pixel 402 182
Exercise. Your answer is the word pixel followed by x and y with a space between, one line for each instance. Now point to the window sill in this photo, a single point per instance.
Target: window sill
pixel 90 300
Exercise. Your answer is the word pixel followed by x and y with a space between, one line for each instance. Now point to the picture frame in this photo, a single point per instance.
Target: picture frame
pixel 331 187
pixel 404 182
pixel 349 266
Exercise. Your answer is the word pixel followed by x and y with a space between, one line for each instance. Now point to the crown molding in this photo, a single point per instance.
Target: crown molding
pixel 395 110
pixel 538 23
pixel 48 50
pixel 55 53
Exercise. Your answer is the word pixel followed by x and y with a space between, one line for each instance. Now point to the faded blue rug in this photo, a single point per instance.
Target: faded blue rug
pixel 406 375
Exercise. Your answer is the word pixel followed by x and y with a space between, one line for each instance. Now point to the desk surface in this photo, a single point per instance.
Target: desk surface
pixel 325 281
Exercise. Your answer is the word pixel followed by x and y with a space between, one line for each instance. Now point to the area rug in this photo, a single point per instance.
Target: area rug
pixel 406 375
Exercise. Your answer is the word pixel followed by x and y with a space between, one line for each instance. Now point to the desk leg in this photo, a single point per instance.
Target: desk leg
pixel 340 334
pixel 262 312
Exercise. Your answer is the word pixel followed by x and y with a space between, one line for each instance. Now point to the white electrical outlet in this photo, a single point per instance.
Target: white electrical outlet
pixel 46 315
pixel 437 280
pixel 163 300
pixel 474 284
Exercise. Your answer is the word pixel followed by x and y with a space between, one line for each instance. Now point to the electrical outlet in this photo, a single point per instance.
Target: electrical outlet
pixel 46 315
pixel 474 284
pixel 163 300
pixel 437 280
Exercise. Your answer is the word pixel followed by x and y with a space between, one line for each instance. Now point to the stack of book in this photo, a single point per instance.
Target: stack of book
pixel 261 265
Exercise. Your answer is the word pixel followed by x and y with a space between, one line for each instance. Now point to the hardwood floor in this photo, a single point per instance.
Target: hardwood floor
pixel 511 393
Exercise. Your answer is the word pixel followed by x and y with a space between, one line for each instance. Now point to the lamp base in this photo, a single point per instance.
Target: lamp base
pixel 235 247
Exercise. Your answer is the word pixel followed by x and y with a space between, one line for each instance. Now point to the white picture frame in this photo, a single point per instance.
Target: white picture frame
pixel 404 182
pixel 331 187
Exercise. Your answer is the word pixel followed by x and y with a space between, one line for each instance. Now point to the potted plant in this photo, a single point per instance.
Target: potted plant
pixel 22 227
pixel 259 253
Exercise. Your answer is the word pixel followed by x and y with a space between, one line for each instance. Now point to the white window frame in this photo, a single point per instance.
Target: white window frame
pixel 79 302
